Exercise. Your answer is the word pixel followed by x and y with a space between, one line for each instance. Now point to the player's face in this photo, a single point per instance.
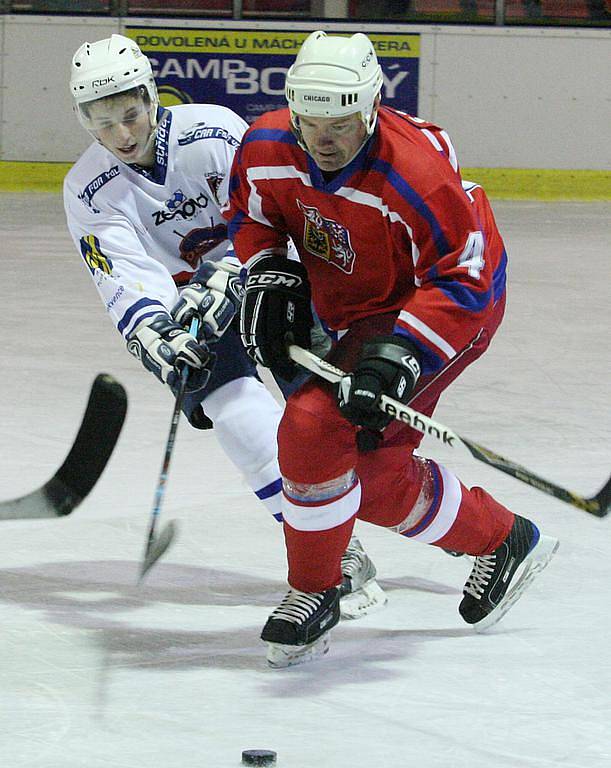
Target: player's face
pixel 123 125
pixel 332 141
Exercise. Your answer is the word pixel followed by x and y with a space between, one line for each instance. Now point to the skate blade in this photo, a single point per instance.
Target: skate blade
pixel 368 599
pixel 533 564
pixel 281 656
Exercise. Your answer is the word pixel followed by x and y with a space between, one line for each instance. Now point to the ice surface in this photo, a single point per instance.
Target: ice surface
pixel 96 671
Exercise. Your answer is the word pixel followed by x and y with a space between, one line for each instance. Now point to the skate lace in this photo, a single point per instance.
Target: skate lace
pixel 480 575
pixel 297 607
pixel 352 561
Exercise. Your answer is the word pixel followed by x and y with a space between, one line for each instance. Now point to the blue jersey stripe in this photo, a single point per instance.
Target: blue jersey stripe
pixel 416 202
pixel 429 360
pixel 499 279
pixel 464 296
pixel 129 314
pixel 234 182
pixel 434 506
pixel 269 134
pixel 233 227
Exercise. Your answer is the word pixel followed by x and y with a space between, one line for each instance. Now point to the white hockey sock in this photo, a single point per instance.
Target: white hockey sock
pixel 246 418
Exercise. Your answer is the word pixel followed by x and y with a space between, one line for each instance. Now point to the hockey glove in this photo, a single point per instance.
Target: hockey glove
pixel 388 366
pixel 164 347
pixel 214 296
pixel 276 312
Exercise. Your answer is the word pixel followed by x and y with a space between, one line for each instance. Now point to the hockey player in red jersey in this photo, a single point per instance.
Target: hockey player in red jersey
pixel 406 267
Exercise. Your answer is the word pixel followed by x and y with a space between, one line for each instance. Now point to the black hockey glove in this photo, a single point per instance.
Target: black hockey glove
pixel 164 347
pixel 214 296
pixel 388 366
pixel 276 312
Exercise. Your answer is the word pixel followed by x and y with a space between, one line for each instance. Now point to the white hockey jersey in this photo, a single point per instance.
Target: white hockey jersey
pixel 143 232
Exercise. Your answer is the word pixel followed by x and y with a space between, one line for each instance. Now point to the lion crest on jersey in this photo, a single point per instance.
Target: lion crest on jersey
pixel 327 239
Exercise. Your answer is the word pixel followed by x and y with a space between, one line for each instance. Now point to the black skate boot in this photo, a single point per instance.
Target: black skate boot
pixel 360 593
pixel 498 579
pixel 298 630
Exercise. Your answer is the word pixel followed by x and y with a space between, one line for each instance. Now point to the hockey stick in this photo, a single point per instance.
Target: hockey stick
pixel 597 505
pixel 157 545
pixel 92 447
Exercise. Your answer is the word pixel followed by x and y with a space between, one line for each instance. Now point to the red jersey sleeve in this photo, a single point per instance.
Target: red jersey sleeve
pixel 255 223
pixel 458 258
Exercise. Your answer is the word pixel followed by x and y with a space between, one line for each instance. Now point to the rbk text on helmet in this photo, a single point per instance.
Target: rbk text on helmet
pixel 109 67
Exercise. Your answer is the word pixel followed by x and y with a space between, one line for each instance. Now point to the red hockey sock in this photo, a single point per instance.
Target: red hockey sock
pixel 428 503
pixel 481 525
pixel 315 556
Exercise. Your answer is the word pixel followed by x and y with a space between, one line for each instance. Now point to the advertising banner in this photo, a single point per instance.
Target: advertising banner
pixel 245 70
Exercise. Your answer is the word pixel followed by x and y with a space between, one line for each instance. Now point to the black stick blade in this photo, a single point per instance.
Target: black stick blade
pixel 90 452
pixel 93 446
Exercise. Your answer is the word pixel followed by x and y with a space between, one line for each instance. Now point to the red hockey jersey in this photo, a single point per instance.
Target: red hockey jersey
pixel 396 230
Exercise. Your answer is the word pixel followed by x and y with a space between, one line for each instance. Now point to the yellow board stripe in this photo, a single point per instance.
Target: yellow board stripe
pixel 32 177
pixel 499 183
pixel 273 42
pixel 541 183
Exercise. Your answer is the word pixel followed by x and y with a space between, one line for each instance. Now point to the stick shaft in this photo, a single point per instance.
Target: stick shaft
pixel 167 457
pixel 169 446
pixel 597 505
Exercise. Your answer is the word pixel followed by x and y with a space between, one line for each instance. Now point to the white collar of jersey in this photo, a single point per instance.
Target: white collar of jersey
pixel 160 136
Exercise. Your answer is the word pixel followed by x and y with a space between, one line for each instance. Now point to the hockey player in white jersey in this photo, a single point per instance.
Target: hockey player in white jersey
pixel 143 208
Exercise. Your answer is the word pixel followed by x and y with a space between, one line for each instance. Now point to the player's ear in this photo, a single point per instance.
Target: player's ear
pixel 374 112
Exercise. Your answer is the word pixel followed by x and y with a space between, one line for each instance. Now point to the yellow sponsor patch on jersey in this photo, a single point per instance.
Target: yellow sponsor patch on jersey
pixel 93 255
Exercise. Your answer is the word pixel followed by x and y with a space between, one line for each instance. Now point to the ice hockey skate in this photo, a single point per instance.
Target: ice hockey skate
pixel 298 630
pixel 498 580
pixel 360 593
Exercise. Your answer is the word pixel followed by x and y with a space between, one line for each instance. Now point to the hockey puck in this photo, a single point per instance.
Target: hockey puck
pixel 258 757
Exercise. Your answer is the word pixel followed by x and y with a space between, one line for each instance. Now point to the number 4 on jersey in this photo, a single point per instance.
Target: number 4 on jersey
pixel 472 256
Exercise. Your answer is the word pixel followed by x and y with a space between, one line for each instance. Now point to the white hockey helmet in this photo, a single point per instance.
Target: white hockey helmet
pixel 108 67
pixel 335 76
